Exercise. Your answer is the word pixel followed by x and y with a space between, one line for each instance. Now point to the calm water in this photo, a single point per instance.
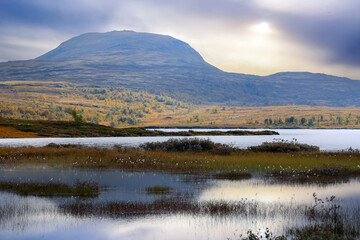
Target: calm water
pixel 279 206
pixel 327 140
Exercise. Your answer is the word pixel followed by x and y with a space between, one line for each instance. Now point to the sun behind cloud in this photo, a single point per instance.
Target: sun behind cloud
pixel 262 28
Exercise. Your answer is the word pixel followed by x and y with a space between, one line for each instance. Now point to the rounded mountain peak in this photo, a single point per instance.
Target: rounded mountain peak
pixel 132 45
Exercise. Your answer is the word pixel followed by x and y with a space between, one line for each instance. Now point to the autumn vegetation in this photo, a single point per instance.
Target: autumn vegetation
pixel 122 107
pixel 191 161
pixel 13 128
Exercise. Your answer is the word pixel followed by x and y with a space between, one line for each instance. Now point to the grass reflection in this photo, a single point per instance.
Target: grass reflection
pixel 81 189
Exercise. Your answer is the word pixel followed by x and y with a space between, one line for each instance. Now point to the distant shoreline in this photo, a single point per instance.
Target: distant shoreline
pixel 245 128
pixel 15 128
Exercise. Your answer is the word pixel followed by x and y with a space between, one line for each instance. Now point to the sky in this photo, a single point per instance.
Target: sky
pixel 246 36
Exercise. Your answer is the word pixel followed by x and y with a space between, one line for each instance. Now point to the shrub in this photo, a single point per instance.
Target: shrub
pixel 284 146
pixel 189 144
pixel 78 119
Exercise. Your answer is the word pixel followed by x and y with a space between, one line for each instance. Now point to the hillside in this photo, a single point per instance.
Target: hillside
pixel 166 66
pixel 123 107
pixel 112 106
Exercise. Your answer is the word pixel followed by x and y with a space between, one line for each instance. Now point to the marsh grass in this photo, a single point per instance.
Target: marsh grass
pixel 179 162
pixel 329 222
pixel 316 232
pixel 322 175
pixel 172 206
pixel 324 232
pixel 325 221
pixel 81 189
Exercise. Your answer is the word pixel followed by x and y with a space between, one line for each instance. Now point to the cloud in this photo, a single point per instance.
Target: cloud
pixel 336 30
pixel 313 7
pixel 63 15
pixel 312 35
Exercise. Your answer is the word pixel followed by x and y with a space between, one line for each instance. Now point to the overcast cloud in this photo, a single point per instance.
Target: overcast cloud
pixel 248 36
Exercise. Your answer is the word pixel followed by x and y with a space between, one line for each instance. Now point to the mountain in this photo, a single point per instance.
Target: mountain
pixel 164 65
pixel 126 47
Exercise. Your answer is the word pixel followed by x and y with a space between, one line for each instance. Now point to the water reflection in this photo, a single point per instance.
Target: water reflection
pixel 206 209
pixel 116 185
pixel 264 191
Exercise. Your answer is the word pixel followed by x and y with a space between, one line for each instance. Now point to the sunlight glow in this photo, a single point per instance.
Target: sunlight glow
pixel 262 28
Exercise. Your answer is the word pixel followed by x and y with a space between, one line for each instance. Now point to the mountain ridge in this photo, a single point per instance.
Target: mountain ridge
pixel 165 65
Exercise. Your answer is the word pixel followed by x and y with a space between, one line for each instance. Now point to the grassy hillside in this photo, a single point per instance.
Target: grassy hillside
pixel 121 107
pixel 117 107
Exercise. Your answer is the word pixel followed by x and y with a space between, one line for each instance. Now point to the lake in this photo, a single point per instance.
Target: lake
pixel 197 207
pixel 326 139
pixel 260 204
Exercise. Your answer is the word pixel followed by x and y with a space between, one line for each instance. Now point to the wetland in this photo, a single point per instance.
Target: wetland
pixel 187 192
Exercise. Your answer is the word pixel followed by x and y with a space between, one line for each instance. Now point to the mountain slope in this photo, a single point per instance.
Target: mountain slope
pixel 162 64
pixel 127 47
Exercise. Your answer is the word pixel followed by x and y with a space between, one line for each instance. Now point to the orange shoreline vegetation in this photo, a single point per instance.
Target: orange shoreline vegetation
pixel 16 128
pixel 9 132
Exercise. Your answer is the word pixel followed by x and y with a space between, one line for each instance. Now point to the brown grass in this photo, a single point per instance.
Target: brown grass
pixel 9 132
